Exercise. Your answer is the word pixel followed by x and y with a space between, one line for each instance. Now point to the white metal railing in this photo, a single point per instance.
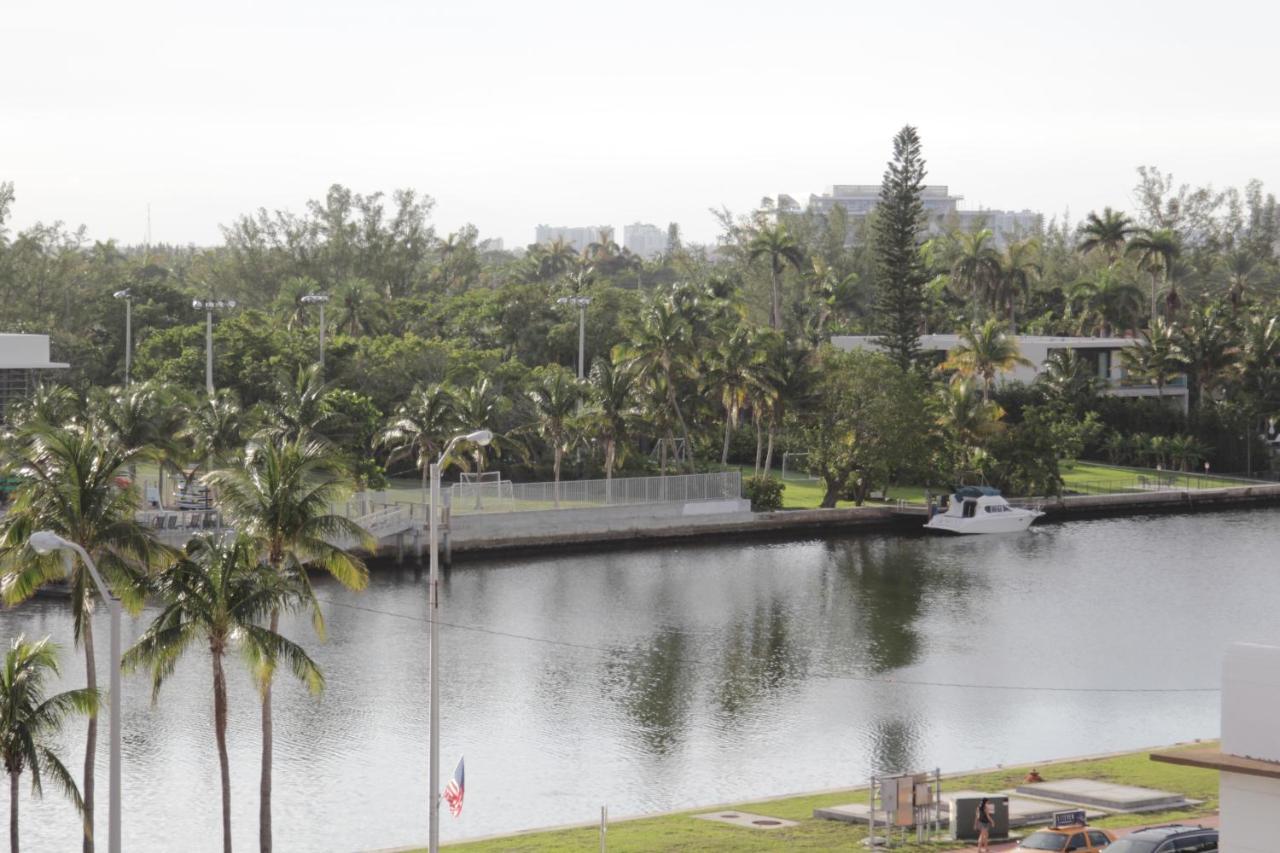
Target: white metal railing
pixel 582 494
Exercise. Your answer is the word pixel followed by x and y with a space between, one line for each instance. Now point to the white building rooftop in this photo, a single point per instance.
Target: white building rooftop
pixel 27 352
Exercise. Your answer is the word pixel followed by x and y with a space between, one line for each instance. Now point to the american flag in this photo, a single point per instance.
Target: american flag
pixel 454 790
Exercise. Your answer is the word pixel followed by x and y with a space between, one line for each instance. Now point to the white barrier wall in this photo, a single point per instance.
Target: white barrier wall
pixel 1250 729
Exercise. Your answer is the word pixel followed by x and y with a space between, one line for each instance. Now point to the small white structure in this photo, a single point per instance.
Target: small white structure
pixel 1102 354
pixel 1249 758
pixel 20 357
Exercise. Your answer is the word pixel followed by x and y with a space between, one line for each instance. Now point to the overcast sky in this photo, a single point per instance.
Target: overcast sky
pixel 514 113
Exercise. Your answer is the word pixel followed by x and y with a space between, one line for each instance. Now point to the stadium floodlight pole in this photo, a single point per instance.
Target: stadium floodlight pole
pixel 209 306
pixel 581 302
pixel 318 299
pixel 128 330
pixel 46 542
pixel 481 437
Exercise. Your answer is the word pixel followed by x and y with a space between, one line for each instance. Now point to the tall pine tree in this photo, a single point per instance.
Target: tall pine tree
pixel 900 272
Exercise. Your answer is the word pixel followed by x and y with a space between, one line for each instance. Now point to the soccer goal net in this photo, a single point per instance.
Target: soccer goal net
pixel 481 490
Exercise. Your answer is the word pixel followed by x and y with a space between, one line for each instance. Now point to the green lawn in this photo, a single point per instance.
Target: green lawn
pixel 1096 478
pixel 683 832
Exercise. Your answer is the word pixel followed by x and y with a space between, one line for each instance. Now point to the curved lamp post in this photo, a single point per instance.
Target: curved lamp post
pixel 481 437
pixel 209 306
pixel 46 542
pixel 128 330
pixel 318 299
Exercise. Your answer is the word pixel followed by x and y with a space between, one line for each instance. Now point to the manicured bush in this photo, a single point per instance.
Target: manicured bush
pixel 765 493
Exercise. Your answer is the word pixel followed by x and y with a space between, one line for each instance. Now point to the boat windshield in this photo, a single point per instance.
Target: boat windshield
pixel 977 492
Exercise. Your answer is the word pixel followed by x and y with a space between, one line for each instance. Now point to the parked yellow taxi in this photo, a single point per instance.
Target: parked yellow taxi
pixel 1077 839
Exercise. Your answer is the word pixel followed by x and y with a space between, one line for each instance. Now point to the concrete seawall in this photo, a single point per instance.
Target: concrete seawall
pixel 712 522
pixel 693 521
pixel 1156 500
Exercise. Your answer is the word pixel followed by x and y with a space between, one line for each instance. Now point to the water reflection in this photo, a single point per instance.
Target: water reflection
pixel 759 657
pixel 654 685
pixel 888 583
pixel 678 676
pixel 894 742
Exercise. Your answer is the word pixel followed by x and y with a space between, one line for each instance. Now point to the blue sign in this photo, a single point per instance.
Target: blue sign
pixel 1075 817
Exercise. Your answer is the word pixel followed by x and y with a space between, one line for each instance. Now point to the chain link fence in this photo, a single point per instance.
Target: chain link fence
pixel 506 496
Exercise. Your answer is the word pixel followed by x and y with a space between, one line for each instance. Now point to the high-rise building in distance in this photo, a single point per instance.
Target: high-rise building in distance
pixel 577 237
pixel 941 209
pixel 647 241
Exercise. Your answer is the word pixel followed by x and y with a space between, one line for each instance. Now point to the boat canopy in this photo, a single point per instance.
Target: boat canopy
pixel 977 492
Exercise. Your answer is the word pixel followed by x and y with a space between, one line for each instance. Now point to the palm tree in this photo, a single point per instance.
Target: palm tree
pixel 356 300
pixel 976 270
pixel 967 419
pixel 481 405
pixel 736 366
pixel 1106 302
pixel 555 395
pixel 1156 249
pixel 216 596
pixel 29 721
pixel 603 251
pixel 300 411
pixel 548 260
pixel 1259 373
pixel 611 390
pixel 72 483
pixel 1068 378
pixel 781 249
pixel 280 497
pixel 661 353
pixel 140 416
pixel 1240 272
pixel 48 403
pixel 214 427
pixel 1210 346
pixel 421 426
pixel 288 301
pixel 786 377
pixel 1157 357
pixel 1184 451
pixel 1108 232
pixel 985 351
pixel 1019 267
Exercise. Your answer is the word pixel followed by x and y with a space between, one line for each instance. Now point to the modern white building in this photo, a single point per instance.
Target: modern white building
pixel 647 241
pixel 1102 354
pixel 21 359
pixel 1248 759
pixel 941 209
pixel 577 237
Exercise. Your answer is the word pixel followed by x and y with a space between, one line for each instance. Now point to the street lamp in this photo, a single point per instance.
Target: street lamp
pixel 46 542
pixel 481 437
pixel 209 306
pixel 128 330
pixel 318 299
pixel 581 302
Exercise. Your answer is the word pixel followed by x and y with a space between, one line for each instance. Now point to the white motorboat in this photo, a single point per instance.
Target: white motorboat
pixel 980 509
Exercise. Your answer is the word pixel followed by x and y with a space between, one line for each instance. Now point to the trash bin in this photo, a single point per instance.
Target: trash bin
pixel 965 809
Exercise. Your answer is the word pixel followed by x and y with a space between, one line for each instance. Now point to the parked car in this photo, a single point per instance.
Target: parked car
pixel 1174 838
pixel 1078 839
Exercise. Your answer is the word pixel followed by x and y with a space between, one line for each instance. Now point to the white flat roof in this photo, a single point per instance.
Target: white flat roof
pixel 27 352
pixel 946 342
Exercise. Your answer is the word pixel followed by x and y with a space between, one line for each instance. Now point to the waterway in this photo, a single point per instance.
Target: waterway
pixel 665 678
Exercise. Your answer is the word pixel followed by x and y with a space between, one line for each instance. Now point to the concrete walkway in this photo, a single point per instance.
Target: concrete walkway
pixel 1204 820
